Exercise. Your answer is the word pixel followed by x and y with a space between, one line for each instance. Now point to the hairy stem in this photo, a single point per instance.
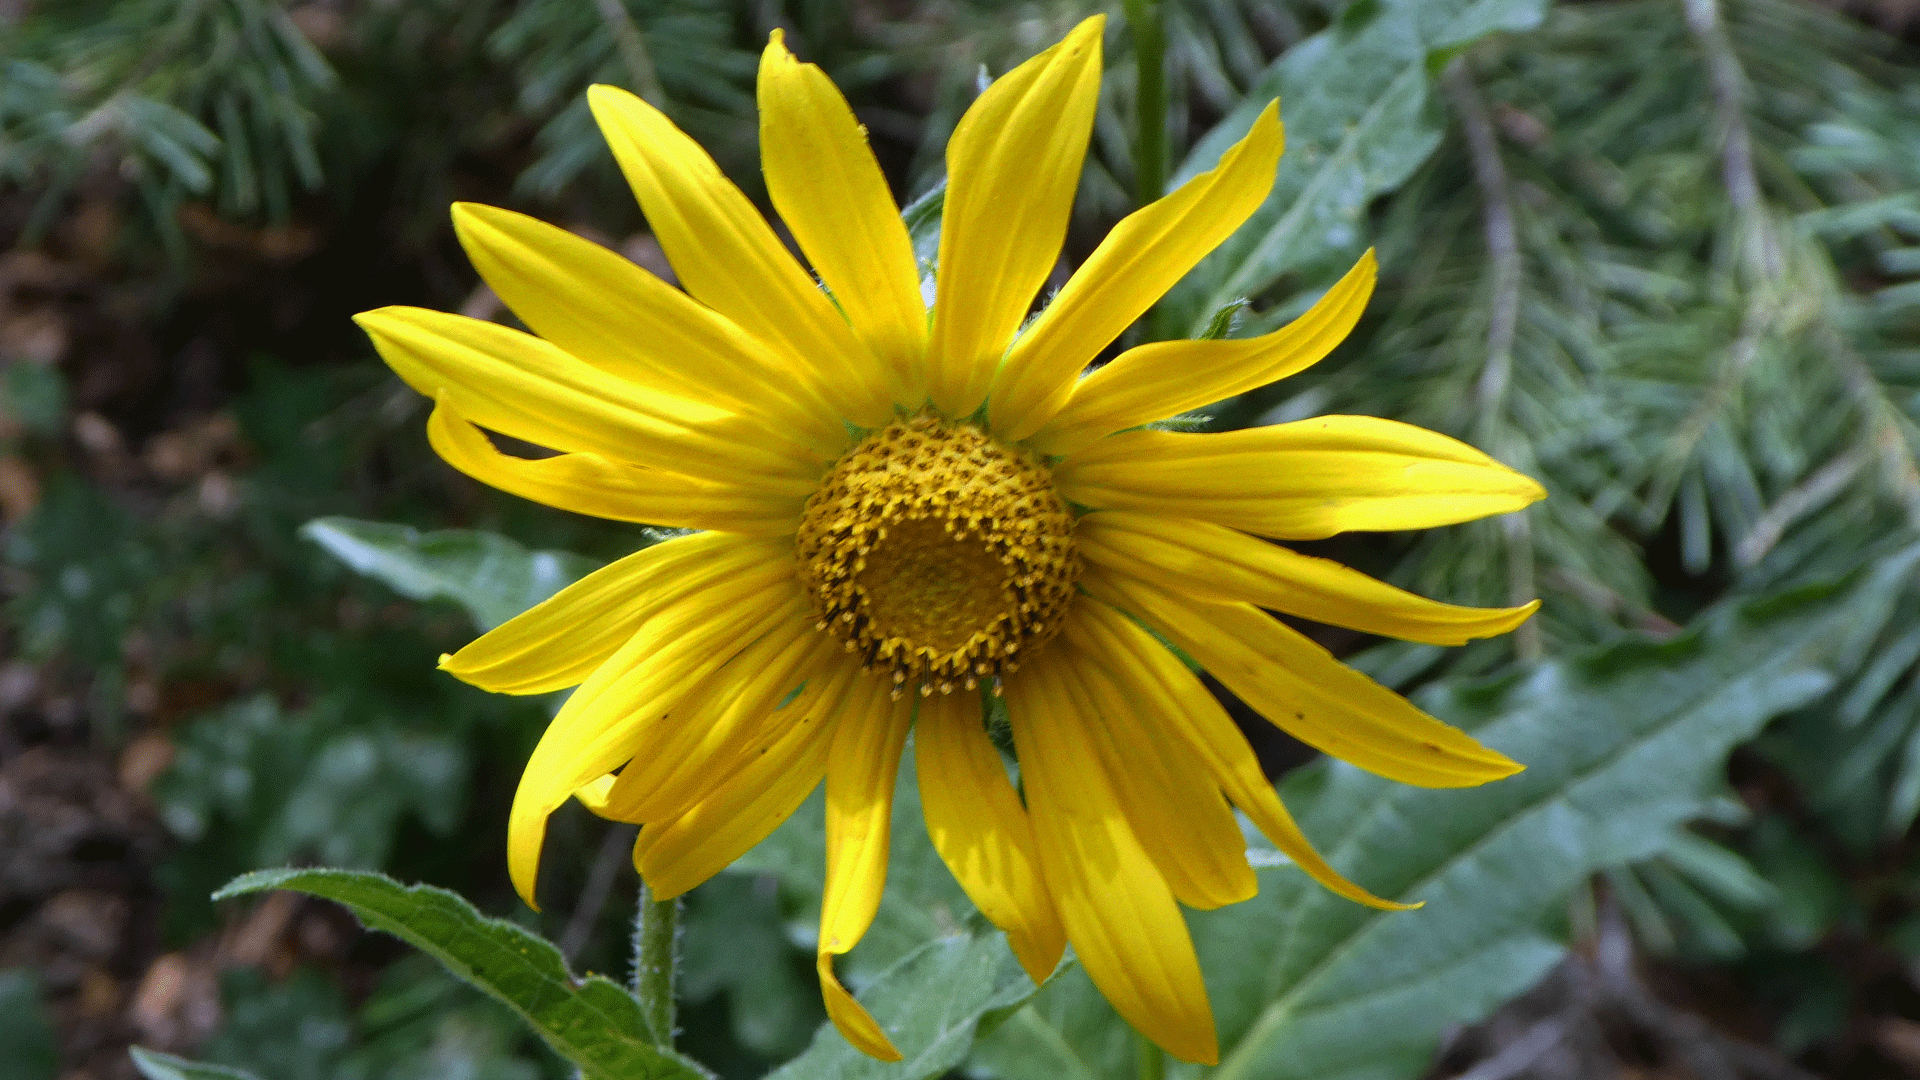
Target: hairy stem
pixel 656 964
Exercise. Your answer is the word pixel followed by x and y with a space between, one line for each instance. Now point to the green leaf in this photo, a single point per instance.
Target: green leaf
pixel 27 1046
pixel 1354 98
pixel 922 902
pixel 486 573
pixel 155 1065
pixel 930 970
pixel 591 1022
pixel 1622 746
pixel 930 1004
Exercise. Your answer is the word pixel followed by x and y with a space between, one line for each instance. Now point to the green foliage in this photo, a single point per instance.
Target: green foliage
pixel 591 1022
pixel 931 1002
pixel 211 98
pixel 254 785
pixel 419 1021
pixel 486 573
pixel 27 1048
pixel 930 969
pixel 1355 100
pixel 1623 746
pixel 734 944
pixel 702 78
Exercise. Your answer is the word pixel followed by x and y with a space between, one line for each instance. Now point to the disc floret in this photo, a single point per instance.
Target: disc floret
pixel 938 553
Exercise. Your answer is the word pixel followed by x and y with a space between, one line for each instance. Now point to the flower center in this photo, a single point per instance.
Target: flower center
pixel 938 553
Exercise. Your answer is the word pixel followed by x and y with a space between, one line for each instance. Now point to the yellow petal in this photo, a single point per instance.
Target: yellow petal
pixel 981 830
pixel 1305 691
pixel 600 307
pixel 1212 562
pixel 1174 806
pixel 728 257
pixel 1300 481
pixel 1142 257
pixel 519 385
pixel 728 718
pixel 628 700
pixel 679 853
pixel 1166 378
pixel 1118 911
pixel 559 642
pixel 829 190
pixel 860 775
pixel 590 484
pixel 1013 165
pixel 1161 686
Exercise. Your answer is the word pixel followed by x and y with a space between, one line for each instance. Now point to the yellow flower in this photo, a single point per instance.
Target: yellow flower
pixel 903 511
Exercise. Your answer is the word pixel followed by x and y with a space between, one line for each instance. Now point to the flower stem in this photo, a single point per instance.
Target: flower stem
pixel 1149 1061
pixel 655 964
pixel 1147 21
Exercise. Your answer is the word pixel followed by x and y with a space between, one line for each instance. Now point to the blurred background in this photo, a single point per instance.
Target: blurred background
pixel 1662 254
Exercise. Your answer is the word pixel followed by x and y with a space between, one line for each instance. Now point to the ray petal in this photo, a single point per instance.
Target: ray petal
pixel 828 188
pixel 728 719
pixel 559 642
pixel 630 698
pixel 1303 690
pixel 980 828
pixel 1144 255
pixel 1013 166
pixel 598 306
pixel 676 854
pixel 1165 378
pixel 586 483
pixel 1118 911
pixel 1173 805
pixel 519 385
pixel 728 257
pixel 1149 675
pixel 1301 481
pixel 1215 563
pixel 860 775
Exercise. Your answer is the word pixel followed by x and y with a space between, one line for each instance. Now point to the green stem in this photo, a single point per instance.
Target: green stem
pixel 655 965
pixel 1147 22
pixel 1149 1061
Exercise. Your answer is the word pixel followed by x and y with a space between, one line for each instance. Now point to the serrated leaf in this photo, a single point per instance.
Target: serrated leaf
pixel 591 1022
pixel 1620 745
pixel 1354 99
pixel 155 1065
pixel 493 577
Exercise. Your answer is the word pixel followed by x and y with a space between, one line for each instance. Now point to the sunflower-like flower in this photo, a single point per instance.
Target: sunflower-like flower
pixel 902 510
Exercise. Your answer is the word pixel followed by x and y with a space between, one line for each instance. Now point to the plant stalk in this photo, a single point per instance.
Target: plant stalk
pixel 656 964
pixel 1148 23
